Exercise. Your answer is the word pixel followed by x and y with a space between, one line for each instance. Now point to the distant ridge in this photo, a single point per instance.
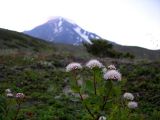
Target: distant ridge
pixel 139 52
pixel 15 40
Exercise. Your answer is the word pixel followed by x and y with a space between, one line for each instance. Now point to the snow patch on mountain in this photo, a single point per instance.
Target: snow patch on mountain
pixel 92 36
pixel 70 21
pixel 97 37
pixel 78 31
pixel 60 22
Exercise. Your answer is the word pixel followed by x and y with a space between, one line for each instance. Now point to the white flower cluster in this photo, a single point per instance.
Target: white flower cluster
pixel 94 64
pixel 112 75
pixel 8 93
pixel 132 105
pixel 20 95
pixel 73 66
pixel 102 118
pixel 11 95
pixel 28 58
pixel 84 96
pixel 8 90
pixel 91 64
pixel 111 67
pixel 104 70
pixel 45 63
pixel 128 96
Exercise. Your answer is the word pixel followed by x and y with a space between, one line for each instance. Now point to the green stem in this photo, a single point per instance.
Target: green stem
pixel 105 99
pixel 94 80
pixel 6 113
pixel 87 108
pixel 7 109
pixel 18 109
pixel 128 115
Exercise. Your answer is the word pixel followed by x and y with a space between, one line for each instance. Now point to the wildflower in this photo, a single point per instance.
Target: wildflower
pixel 9 95
pixel 104 70
pixel 112 75
pixel 80 82
pixel 73 66
pixel 84 96
pixel 132 105
pixel 8 91
pixel 94 63
pixel 57 97
pixel 45 63
pixel 20 95
pixel 111 67
pixel 128 96
pixel 102 118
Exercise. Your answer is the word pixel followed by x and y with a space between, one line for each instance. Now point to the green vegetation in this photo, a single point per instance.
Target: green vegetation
pixel 102 48
pixel 41 76
pixel 139 53
pixel 14 40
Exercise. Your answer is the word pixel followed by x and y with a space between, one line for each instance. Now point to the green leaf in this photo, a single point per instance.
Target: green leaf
pixel 75 89
pixel 89 87
pixel 116 91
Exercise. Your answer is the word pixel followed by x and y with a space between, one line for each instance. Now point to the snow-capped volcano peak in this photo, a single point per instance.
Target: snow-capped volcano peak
pixel 61 19
pixel 62 30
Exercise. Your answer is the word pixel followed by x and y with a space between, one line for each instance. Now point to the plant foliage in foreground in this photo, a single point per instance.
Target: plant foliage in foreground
pixel 100 92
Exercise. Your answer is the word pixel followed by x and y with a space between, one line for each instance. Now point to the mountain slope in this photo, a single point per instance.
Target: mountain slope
pixel 62 30
pixel 139 52
pixel 15 40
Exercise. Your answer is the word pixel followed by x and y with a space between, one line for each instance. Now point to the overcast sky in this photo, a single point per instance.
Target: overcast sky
pixel 127 22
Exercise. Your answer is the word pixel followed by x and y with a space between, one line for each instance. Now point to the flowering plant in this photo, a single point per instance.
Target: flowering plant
pixel 102 91
pixel 7 111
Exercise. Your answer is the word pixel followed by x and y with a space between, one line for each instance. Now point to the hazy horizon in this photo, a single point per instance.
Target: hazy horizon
pixel 133 23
